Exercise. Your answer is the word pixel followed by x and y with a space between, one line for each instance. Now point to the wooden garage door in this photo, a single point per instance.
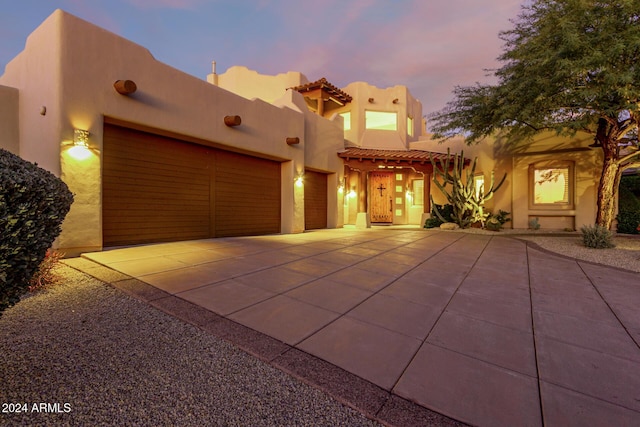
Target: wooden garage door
pixel 159 189
pixel 247 195
pixel 155 189
pixel 315 200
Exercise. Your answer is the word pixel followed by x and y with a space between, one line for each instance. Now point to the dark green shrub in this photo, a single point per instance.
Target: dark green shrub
pixel 628 222
pixel 33 204
pixel 628 211
pixel 445 211
pixel 595 236
pixel 631 183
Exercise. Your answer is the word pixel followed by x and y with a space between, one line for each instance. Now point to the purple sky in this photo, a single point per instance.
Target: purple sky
pixel 430 46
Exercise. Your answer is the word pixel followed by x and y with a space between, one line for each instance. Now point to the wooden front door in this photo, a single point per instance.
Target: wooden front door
pixel 381 196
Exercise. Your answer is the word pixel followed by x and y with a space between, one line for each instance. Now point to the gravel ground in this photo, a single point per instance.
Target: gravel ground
pixel 626 253
pixel 107 359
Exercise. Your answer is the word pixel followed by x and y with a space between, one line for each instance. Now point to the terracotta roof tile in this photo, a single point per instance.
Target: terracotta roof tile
pixel 375 154
pixel 324 84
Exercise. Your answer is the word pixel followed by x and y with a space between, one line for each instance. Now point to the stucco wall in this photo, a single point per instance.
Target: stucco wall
pixel 70 66
pixel 35 73
pixel 382 100
pixel 9 123
pixel 499 156
pixel 250 84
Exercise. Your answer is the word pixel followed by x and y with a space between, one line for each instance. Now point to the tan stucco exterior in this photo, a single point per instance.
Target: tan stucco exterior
pixel 64 80
pixel 69 67
pixel 500 156
pixel 9 119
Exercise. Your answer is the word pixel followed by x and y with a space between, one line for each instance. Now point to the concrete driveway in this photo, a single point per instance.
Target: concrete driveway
pixel 481 328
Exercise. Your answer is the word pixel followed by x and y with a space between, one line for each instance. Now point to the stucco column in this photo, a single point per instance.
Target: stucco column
pixel 426 190
pixel 363 219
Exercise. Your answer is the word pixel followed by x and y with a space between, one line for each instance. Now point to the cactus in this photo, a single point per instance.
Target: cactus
pixel 466 202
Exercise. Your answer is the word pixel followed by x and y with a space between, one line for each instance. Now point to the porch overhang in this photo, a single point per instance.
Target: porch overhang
pixel 322 96
pixel 367 159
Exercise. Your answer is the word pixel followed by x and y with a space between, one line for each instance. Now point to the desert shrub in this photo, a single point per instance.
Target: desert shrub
pixel 495 222
pixel 33 204
pixel 45 275
pixel 596 236
pixel 534 223
pixel 445 211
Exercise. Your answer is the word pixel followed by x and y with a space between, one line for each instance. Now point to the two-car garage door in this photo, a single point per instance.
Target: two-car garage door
pixel 158 189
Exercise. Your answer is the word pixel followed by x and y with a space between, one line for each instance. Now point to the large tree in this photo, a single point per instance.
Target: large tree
pixel 567 66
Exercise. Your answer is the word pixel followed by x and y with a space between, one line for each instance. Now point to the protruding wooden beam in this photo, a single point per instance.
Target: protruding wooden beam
pixel 293 140
pixel 125 87
pixel 232 121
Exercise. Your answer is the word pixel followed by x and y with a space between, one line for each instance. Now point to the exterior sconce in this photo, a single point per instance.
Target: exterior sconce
pixel 293 140
pixel 125 87
pixel 371 100
pixel 299 181
pixel 395 101
pixel 341 189
pixel 80 149
pixel 232 121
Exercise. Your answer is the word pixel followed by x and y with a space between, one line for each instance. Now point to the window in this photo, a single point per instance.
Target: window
pixel 381 120
pixel 551 185
pixel 418 192
pixel 347 120
pixel 410 126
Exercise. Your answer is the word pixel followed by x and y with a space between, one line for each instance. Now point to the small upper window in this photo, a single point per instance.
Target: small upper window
pixel 346 117
pixel 410 126
pixel 381 120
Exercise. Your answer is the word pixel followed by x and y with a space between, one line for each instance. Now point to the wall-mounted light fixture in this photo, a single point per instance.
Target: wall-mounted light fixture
pixel 125 87
pixel 299 181
pixel 232 121
pixel 293 140
pixel 80 149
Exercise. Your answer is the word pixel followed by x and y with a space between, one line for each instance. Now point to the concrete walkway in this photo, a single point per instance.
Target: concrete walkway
pixel 483 329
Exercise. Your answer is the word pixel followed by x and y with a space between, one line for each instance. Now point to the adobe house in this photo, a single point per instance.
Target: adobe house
pixel 385 181
pixel 164 155
pixel 153 154
pixel 387 148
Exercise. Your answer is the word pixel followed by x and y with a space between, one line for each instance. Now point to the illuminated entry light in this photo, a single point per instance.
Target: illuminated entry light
pixel 80 149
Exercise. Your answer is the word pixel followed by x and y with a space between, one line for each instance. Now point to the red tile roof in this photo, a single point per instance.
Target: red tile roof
pixel 326 86
pixel 375 154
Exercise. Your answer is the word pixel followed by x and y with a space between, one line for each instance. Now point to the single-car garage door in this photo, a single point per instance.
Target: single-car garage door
pixel 247 195
pixel 158 189
pixel 315 200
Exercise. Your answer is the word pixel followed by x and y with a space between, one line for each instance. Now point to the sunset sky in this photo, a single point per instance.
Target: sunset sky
pixel 430 46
